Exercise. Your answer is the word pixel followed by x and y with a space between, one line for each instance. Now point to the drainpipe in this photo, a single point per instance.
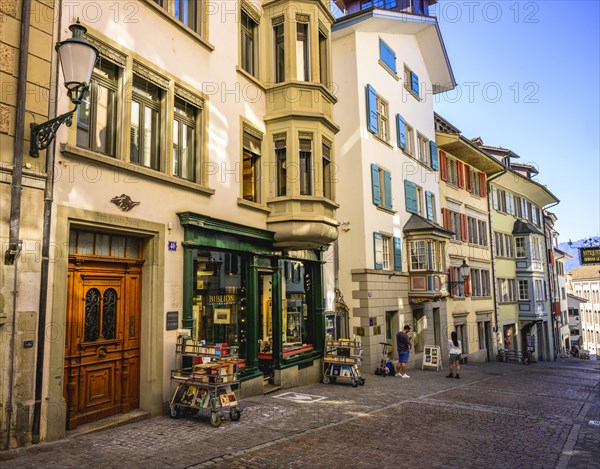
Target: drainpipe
pixel 491 235
pixel 43 302
pixel 547 279
pixel 14 243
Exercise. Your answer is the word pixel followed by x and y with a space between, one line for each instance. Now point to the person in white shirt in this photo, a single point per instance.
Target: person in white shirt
pixel 455 351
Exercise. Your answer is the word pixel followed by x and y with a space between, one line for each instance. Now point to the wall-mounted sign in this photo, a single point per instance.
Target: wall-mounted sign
pixel 589 255
pixel 172 320
pixel 172 245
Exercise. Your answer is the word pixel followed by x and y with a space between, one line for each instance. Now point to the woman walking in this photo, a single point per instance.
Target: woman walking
pixel 455 350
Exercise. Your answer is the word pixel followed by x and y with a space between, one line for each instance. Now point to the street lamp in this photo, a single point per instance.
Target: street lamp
pixel 464 271
pixel 77 58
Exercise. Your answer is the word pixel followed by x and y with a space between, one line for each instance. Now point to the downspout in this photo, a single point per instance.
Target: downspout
pixel 491 237
pixel 547 279
pixel 43 302
pixel 14 243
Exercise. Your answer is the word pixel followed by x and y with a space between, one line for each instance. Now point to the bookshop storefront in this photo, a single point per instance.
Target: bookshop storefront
pixel 240 290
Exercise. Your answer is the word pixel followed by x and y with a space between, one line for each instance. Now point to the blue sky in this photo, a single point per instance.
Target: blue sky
pixel 528 75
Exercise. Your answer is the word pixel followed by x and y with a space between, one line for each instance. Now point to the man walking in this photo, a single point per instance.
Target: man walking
pixel 403 342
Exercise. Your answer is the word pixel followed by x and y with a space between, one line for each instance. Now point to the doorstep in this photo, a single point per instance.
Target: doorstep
pixel 109 422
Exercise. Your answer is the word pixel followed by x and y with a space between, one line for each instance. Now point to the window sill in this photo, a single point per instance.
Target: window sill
pixel 386 210
pixel 377 137
pixel 178 24
pixel 250 77
pixel 132 170
pixel 481 298
pixel 508 302
pixel 425 165
pixel 253 205
pixel 412 93
pixel 389 70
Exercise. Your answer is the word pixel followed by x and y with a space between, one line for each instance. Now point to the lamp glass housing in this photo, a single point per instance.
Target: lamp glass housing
pixel 465 270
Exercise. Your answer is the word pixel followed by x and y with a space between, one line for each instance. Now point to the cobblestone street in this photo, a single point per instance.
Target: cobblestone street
pixel 497 416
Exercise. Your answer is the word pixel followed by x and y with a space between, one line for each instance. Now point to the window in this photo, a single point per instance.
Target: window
pixel 280 156
pixel 523 290
pixel 452 173
pixel 457 286
pixel 386 250
pixel 455 225
pixel 477 231
pixel 499 200
pixel 475 187
pixel 382 119
pixel 327 173
pixel 520 250
pixel 97 115
pixel 305 165
pixel 503 245
pixel 483 232
pixel 536 249
pixel 430 205
pixel 411 82
pixel 377 4
pixel 381 182
pixel 323 59
pixel 251 148
pixel 184 140
pixel 189 13
pixel 418 255
pixel 145 123
pixel 249 29
pixel 423 149
pixel 506 290
pixel 420 200
pixel 563 295
pixel 410 140
pixel 540 290
pixel 480 282
pixel 302 52
pixel 387 56
pixel 279 40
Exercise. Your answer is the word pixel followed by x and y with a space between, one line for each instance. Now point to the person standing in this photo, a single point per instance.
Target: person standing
pixel 455 351
pixel 403 342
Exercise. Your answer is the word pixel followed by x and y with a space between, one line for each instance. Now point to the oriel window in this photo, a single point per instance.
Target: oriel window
pixel 145 123
pixel 323 59
pixel 279 39
pixel 302 52
pixel 327 173
pixel 251 168
pixel 97 115
pixel 305 163
pixel 184 140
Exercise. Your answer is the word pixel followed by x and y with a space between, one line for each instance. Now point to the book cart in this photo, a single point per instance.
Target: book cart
pixel 208 386
pixel 341 361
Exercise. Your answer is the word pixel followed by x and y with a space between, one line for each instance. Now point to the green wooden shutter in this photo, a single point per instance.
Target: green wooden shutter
pixel 397 254
pixel 375 184
pixel 433 150
pixel 401 129
pixel 371 109
pixel 429 204
pixel 410 196
pixel 387 189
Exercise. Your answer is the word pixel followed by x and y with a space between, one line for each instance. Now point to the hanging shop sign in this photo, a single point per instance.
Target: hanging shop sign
pixel 589 255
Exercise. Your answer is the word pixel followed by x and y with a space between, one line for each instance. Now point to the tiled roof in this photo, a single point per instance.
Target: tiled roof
pixel 586 271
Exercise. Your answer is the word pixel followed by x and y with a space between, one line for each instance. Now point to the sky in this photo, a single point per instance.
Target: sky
pixel 528 80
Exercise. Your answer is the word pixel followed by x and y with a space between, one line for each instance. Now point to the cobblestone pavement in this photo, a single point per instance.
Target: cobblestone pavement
pixel 497 416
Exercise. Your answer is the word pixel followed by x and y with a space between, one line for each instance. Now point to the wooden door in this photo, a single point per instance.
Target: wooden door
pixel 102 346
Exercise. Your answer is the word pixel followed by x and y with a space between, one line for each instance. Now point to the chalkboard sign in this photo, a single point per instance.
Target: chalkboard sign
pixel 172 320
pixel 432 357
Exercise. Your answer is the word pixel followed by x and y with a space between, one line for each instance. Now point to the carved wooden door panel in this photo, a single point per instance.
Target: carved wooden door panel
pixel 102 347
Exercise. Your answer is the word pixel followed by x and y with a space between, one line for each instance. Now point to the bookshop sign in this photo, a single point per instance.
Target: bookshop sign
pixel 589 255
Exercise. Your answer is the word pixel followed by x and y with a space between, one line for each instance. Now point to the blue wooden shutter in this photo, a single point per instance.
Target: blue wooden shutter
pixel 428 201
pixel 414 83
pixel 426 8
pixel 377 238
pixel 371 109
pixel 375 184
pixel 410 196
pixel 401 128
pixel 417 7
pixel 387 189
pixel 397 254
pixel 430 282
pixel 387 55
pixel 433 150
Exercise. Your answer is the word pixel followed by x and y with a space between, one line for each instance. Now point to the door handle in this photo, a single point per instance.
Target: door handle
pixel 102 353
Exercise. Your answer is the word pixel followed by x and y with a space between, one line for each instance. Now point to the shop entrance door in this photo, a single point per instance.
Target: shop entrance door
pixel 102 346
pixel 265 292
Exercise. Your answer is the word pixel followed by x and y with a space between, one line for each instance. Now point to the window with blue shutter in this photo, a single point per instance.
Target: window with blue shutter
pixel 387 56
pixel 433 151
pixel 429 204
pixel 397 254
pixel 430 282
pixel 410 197
pixel 387 189
pixel 417 7
pixel 414 83
pixel 378 250
pixel 401 128
pixel 375 184
pixel 371 109
pixel 426 8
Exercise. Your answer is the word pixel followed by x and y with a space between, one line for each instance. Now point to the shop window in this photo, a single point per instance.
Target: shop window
pixel 97 115
pixel 296 313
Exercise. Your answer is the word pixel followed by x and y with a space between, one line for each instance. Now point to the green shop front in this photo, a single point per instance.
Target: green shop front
pixel 241 290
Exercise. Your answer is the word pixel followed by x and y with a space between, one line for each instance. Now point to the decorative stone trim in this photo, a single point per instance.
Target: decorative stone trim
pixel 282 137
pixel 150 75
pixel 305 135
pixel 250 10
pixel 302 18
pixel 252 131
pixel 277 21
pixel 188 96
pixel 108 52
